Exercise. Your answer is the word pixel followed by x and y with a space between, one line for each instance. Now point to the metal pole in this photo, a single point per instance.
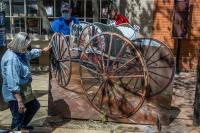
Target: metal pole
pixel 25 12
pixel 196 115
pixel 11 25
pixel 178 49
pixel 54 5
pixel 100 5
pixel 85 10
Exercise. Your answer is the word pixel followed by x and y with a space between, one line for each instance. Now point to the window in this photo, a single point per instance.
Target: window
pixel 18 25
pixel 58 8
pixel 7 25
pixel 31 22
pixel 17 7
pixel 48 4
pixel 78 8
pixel 31 7
pixel 89 12
pixel 104 9
pixel 33 25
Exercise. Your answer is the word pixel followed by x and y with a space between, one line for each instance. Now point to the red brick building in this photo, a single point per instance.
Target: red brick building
pixel 155 18
pixel 189 47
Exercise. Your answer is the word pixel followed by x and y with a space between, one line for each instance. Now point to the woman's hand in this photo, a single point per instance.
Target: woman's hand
pixel 21 107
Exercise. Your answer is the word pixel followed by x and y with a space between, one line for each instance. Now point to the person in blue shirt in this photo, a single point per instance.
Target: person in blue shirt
pixel 17 78
pixel 63 23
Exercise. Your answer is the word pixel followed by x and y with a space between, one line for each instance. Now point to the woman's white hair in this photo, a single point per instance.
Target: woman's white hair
pixel 20 43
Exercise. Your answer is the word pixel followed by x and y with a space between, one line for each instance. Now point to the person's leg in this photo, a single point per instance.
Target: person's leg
pixel 31 108
pixel 17 118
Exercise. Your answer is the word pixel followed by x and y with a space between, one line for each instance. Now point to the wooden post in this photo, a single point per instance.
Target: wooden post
pixel 178 49
pixel 196 115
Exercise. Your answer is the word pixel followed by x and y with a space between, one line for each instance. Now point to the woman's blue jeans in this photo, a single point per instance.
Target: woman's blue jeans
pixel 21 120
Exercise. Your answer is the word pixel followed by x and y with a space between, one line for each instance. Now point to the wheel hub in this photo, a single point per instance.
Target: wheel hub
pixel 106 76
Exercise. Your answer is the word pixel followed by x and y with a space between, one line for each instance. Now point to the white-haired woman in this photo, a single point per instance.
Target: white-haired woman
pixel 16 73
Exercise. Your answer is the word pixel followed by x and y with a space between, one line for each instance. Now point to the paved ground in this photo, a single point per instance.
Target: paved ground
pixel 181 122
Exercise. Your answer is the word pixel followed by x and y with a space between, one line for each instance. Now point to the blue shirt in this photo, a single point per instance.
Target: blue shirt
pixel 15 69
pixel 62 25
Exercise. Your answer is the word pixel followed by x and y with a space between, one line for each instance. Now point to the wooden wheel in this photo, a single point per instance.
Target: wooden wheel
pixel 87 33
pixel 113 75
pixel 77 29
pixel 74 39
pixel 60 59
pixel 160 63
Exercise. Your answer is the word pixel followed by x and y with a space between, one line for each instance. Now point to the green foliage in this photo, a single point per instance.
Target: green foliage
pixel 104 118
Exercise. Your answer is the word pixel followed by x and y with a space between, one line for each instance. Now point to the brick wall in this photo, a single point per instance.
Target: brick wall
pixel 162 27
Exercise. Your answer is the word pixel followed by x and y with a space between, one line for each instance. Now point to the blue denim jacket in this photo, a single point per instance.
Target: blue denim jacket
pixel 15 69
pixel 62 25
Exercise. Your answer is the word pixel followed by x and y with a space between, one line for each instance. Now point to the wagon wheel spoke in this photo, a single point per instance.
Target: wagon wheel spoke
pixel 66 59
pixel 66 66
pixel 103 95
pixel 54 49
pixel 163 76
pixel 63 76
pixel 147 60
pixel 160 67
pixel 118 54
pixel 109 103
pixel 92 85
pixel 89 69
pixel 90 62
pixel 128 87
pixel 56 74
pixel 53 54
pixel 61 50
pixel 129 81
pixel 58 47
pixel 100 56
pixel 97 57
pixel 60 74
pixel 66 72
pixel 147 48
pixel 128 62
pixel 88 31
pixel 133 76
pixel 125 106
pixel 109 51
pixel 152 79
pixel 157 60
pixel 102 85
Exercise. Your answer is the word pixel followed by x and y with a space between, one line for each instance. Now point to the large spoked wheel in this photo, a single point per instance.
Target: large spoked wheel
pixel 60 59
pixel 87 33
pixel 75 37
pixel 113 75
pixel 160 63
